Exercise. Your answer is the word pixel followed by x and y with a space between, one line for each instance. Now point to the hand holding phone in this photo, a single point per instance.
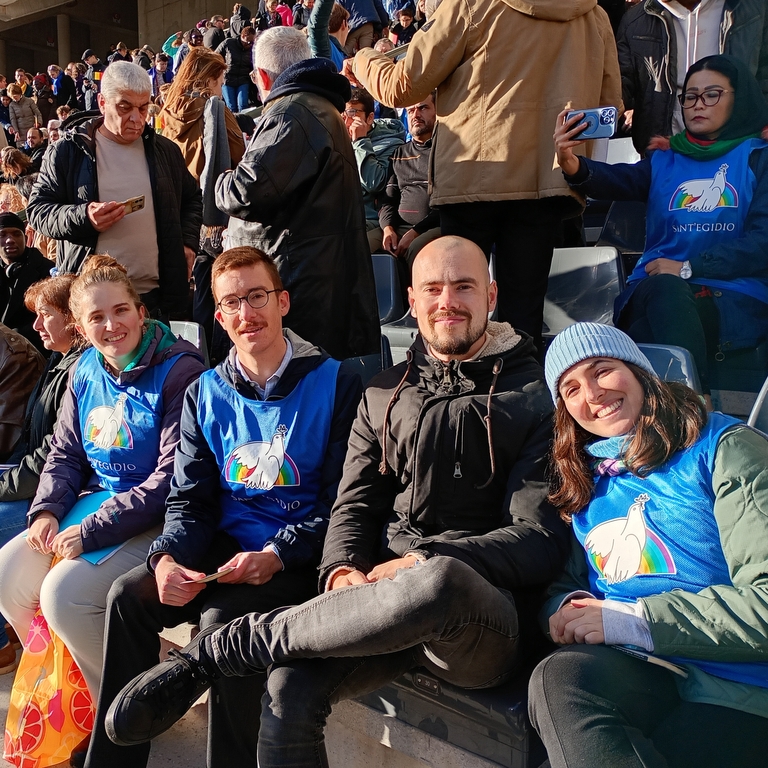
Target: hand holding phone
pixel 133 204
pixel 598 123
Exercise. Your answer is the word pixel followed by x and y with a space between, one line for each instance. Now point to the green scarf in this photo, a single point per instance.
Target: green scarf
pixel 683 145
pixel 150 334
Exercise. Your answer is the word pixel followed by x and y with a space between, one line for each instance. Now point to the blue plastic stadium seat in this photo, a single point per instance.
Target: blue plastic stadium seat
pixel 388 291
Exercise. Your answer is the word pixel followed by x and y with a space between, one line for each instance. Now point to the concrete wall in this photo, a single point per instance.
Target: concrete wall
pixel 32 42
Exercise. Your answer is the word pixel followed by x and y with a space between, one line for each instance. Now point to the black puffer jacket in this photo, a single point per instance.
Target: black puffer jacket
pixel 31 450
pixel 239 62
pixel 647 47
pixel 68 182
pixel 296 195
pixel 239 21
pixel 452 486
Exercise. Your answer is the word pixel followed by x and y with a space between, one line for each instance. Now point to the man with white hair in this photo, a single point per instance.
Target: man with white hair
pixel 156 237
pixel 296 195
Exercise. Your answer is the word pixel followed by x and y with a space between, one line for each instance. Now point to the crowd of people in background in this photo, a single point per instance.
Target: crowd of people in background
pixel 240 174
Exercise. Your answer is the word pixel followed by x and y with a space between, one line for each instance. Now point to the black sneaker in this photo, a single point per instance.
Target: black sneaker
pixel 152 702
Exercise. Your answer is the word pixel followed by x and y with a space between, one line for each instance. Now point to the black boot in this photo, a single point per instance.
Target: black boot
pixel 152 702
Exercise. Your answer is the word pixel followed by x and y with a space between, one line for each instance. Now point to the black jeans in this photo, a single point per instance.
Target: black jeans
pixel 665 309
pixel 135 618
pixel 595 707
pixel 524 233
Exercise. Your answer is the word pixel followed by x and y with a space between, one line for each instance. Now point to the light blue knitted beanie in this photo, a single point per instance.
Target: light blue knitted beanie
pixel 584 340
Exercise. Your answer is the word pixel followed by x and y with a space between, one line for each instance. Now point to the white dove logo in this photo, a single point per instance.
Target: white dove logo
pixel 105 426
pixel 620 542
pixel 262 465
pixel 704 195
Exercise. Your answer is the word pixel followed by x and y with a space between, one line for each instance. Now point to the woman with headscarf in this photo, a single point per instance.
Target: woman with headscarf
pixel 702 282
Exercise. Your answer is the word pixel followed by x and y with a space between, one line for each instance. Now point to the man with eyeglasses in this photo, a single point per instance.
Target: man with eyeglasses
pixel 374 141
pixel 264 437
pixel 658 40
pixel 156 243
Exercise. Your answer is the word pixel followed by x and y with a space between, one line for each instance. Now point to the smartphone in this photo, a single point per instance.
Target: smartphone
pixel 133 204
pixel 600 122
pixel 210 577
pixel 397 53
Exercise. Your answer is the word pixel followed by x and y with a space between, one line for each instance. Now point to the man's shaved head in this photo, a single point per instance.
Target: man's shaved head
pixel 451 297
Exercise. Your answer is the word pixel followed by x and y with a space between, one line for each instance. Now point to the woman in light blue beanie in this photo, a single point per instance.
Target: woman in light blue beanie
pixel 668 509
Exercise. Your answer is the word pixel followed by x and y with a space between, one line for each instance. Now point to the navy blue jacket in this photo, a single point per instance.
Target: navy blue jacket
pixel 193 510
pixel 742 319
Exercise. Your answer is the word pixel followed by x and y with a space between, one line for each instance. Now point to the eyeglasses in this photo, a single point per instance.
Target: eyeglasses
pixel 709 98
pixel 256 298
pixel 352 112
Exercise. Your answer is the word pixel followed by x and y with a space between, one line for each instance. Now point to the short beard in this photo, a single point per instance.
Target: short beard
pixel 454 346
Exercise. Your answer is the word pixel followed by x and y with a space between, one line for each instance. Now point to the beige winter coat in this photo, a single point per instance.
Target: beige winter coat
pixel 503 70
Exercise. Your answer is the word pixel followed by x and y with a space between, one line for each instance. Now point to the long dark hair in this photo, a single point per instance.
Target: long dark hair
pixel 671 419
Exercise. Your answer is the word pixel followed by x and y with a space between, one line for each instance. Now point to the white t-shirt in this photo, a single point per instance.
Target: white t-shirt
pixel 123 172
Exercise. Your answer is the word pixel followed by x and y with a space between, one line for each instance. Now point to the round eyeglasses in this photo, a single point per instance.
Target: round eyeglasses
pixel 257 298
pixel 708 98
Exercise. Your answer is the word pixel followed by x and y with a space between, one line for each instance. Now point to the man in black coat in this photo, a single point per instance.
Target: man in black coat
pixel 20 267
pixel 296 195
pixel 92 79
pixel 441 539
pixel 238 55
pixel 158 242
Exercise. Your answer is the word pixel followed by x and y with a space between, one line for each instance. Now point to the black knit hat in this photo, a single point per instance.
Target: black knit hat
pixel 8 220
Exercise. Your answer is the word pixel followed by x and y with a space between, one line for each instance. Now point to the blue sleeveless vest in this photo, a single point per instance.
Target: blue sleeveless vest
pixel 637 545
pixel 120 423
pixel 694 205
pixel 270 452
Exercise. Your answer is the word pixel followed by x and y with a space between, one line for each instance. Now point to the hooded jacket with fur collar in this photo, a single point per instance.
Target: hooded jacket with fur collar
pixel 432 469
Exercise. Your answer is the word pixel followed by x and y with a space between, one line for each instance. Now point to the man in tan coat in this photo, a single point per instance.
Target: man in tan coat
pixel 503 70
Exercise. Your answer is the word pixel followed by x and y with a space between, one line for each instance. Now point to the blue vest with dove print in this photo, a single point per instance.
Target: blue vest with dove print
pixel 645 536
pixel 120 423
pixel 270 453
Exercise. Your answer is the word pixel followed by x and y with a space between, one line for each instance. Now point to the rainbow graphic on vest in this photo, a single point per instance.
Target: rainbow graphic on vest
pixel 704 195
pixel 262 465
pixel 105 426
pixel 625 547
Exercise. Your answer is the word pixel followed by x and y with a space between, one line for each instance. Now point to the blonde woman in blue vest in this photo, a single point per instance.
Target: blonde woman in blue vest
pixel 702 281
pixel 116 433
pixel 669 510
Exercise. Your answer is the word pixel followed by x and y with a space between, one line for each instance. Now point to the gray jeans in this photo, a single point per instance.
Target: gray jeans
pixel 441 615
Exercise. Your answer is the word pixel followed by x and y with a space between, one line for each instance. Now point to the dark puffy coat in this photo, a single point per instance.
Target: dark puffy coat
pixel 446 492
pixel 68 182
pixel 66 91
pixel 31 449
pixel 296 195
pixel 239 62
pixel 239 21
pixel 646 39
pixel 31 267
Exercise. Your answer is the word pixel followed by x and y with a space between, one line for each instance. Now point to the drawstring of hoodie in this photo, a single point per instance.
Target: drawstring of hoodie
pixel 497 366
pixel 384 465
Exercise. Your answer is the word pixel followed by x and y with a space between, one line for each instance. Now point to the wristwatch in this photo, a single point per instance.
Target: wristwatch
pixel 686 271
